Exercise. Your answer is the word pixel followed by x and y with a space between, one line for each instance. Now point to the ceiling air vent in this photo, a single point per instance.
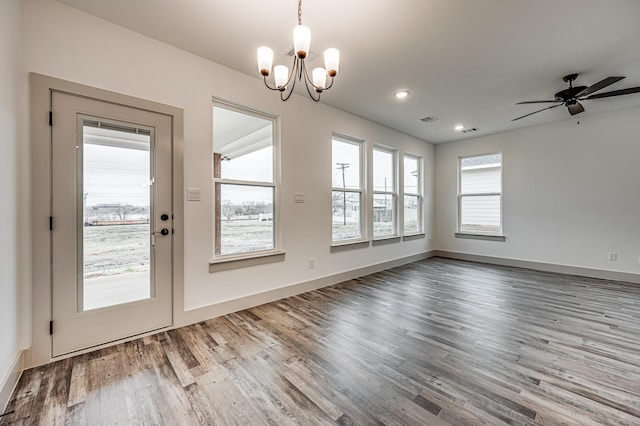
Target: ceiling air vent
pixel 429 119
pixel 470 129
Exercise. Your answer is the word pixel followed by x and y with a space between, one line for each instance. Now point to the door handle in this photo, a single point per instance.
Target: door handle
pixel 163 231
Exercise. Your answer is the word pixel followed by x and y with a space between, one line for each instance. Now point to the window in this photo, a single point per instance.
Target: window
pixel 384 192
pixel 347 193
pixel 412 195
pixel 244 170
pixel 480 195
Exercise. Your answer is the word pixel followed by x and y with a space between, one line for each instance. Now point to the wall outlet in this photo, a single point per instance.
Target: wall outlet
pixel 312 263
pixel 613 256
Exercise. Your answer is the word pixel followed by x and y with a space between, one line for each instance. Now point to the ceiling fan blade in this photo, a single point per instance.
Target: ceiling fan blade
pixel 599 85
pixel 536 102
pixel 575 108
pixel 615 93
pixel 535 112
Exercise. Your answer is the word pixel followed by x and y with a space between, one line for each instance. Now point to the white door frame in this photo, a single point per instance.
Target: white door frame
pixel 74 327
pixel 41 296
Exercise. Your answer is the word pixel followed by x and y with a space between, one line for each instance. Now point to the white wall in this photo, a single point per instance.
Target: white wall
pixel 570 197
pixel 62 42
pixel 10 325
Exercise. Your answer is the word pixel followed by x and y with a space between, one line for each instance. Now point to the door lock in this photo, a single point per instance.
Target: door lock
pixel 164 217
pixel 163 231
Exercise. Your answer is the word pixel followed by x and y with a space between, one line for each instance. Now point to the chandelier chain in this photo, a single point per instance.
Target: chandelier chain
pixel 299 12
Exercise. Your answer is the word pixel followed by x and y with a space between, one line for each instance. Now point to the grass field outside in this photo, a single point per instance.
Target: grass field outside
pixel 247 235
pixel 117 249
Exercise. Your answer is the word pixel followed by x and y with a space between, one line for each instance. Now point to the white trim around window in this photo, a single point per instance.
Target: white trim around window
pixel 239 134
pixel 479 197
pixel 348 195
pixel 412 189
pixel 385 192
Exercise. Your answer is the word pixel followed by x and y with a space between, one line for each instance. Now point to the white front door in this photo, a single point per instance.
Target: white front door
pixel 111 171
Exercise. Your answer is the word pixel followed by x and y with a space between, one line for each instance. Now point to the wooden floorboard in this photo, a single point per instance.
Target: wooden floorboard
pixel 437 342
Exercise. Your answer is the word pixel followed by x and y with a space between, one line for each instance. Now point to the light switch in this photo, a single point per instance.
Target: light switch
pixel 193 194
pixel 298 197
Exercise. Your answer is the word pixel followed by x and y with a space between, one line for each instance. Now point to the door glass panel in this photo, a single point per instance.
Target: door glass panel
pixel 115 251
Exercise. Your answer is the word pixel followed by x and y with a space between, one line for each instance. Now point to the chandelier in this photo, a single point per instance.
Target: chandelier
pixel 285 81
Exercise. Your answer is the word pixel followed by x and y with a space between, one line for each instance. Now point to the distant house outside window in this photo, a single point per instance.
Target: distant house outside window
pixel 480 195
pixel 412 212
pixel 244 171
pixel 347 189
pixel 384 192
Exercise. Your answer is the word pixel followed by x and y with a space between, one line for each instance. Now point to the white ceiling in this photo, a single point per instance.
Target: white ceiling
pixel 464 61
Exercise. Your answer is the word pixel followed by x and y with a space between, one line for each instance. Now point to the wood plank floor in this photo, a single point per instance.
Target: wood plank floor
pixel 435 342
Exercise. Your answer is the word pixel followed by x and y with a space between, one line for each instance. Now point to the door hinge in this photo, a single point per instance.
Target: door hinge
pixel 50 223
pixel 50 118
pixel 50 328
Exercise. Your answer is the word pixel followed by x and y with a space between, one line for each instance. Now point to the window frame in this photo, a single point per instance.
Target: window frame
pixel 418 194
pixel 479 234
pixel 276 252
pixel 393 192
pixel 361 190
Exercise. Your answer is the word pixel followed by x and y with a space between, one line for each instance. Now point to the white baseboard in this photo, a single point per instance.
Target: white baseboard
pixel 541 266
pixel 9 382
pixel 235 305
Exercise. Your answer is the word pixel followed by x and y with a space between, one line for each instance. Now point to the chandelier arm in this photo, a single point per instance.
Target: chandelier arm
pixel 307 79
pixel 267 84
pixel 286 98
pixel 330 84
pixel 306 84
pixel 294 71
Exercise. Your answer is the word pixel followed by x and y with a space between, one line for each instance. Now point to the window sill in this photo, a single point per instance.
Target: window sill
pixel 236 262
pixel 386 240
pixel 349 245
pixel 411 237
pixel 481 237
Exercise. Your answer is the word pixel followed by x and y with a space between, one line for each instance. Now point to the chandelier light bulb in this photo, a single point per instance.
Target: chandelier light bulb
pixel 301 40
pixel 332 61
pixel 265 60
pixel 281 74
pixel 319 79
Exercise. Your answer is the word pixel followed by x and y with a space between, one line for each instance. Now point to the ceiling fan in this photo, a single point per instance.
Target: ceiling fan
pixel 572 96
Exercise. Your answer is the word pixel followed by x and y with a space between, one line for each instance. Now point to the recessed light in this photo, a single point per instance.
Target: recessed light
pixel 402 94
pixel 459 128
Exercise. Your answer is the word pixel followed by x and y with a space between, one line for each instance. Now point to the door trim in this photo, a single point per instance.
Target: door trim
pixel 40 245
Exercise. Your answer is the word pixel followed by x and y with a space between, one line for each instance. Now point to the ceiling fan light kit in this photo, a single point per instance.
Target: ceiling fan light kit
pixel 571 96
pixel 285 81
